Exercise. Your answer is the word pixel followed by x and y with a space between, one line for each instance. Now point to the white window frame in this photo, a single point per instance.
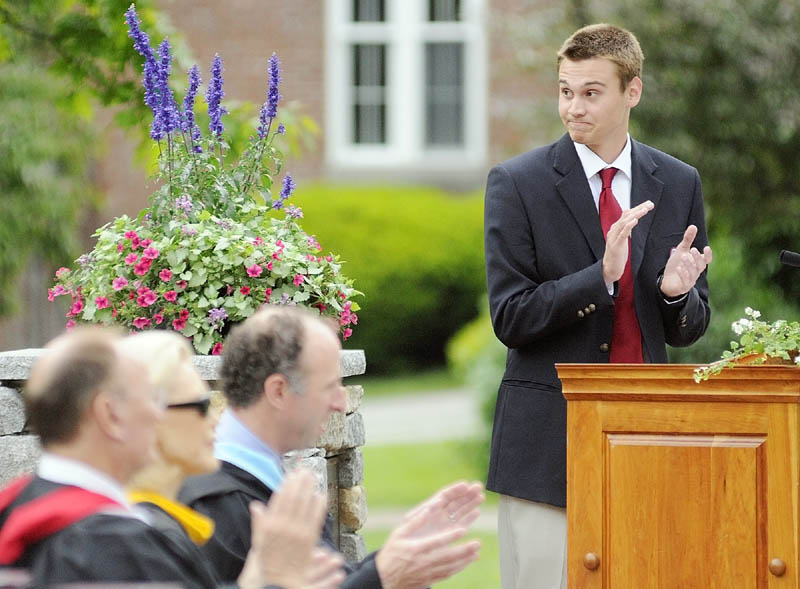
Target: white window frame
pixel 405 32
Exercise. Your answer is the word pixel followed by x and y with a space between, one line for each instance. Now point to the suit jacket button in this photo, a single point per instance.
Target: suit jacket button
pixel 592 308
pixel 587 310
pixel 580 314
pixel 604 347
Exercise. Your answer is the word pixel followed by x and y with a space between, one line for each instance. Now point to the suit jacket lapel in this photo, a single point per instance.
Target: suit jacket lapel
pixel 574 189
pixel 644 186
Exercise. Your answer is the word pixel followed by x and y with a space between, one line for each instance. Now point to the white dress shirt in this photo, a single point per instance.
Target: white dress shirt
pixel 622 182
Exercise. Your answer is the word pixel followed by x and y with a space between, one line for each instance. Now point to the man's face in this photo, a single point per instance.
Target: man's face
pixel 322 395
pixel 592 105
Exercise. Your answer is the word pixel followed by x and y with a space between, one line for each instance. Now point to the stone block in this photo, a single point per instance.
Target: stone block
pixel 352 508
pixel 343 432
pixel 12 411
pixel 352 546
pixel 355 393
pixel 20 454
pixel 353 362
pixel 314 460
pixel 351 468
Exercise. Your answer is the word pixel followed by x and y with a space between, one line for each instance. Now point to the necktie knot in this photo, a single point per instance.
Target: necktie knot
pixel 606 176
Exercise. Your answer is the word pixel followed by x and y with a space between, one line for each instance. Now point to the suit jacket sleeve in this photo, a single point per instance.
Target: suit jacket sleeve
pixel 686 322
pixel 526 307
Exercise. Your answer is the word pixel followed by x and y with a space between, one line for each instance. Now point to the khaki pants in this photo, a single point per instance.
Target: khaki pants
pixel 532 540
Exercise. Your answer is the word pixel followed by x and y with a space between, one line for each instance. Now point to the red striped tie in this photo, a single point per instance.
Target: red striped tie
pixel 626 342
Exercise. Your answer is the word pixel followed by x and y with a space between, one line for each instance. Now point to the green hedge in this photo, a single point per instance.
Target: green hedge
pixel 415 253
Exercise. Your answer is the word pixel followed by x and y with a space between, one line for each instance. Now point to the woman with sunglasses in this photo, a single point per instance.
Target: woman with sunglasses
pixel 185 447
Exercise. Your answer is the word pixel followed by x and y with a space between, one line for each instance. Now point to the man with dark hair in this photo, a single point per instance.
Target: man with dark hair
pixel 281 378
pixel 596 251
pixel 90 401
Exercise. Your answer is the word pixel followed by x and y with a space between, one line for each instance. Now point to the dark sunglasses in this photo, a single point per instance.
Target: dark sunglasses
pixel 201 405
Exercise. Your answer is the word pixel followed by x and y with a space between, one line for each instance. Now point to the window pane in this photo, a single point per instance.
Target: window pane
pixel 368 11
pixel 444 10
pixel 444 94
pixel 369 93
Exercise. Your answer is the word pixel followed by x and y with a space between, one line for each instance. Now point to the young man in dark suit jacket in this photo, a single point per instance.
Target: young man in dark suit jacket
pixel 583 264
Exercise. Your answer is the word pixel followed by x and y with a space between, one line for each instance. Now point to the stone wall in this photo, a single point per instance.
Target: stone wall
pixel 337 461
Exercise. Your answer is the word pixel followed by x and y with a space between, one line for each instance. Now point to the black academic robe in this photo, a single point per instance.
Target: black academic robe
pixel 225 497
pixel 106 547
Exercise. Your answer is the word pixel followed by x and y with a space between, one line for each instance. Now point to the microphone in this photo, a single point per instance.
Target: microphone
pixel 790 258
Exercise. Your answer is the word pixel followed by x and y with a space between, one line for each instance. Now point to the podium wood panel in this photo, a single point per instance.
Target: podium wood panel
pixel 676 484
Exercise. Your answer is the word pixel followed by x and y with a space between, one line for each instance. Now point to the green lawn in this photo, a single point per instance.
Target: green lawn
pixel 400 476
pixel 416 382
pixel 404 475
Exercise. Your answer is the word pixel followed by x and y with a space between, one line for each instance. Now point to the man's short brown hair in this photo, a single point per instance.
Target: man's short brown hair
pixel 607 41
pixel 64 381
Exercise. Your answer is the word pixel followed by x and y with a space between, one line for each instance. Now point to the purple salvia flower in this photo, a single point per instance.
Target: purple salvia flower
pixel 286 191
pixel 214 95
pixel 294 212
pixel 270 108
pixel 187 121
pixel 215 316
pixel 150 74
pixel 169 111
pixel 274 80
pixel 184 202
pixel 281 129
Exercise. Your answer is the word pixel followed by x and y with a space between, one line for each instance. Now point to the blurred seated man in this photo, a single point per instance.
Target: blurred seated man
pixel 281 379
pixel 95 411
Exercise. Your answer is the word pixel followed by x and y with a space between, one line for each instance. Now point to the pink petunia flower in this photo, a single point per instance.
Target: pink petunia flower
pixel 70 324
pixel 142 267
pixel 269 265
pixel 268 294
pixel 217 349
pixel 165 275
pixel 254 271
pixel 245 290
pixel 298 279
pixel 62 271
pixel 119 283
pixel 50 295
pixel 158 318
pixel 141 322
pixel 178 324
pixel 101 302
pixel 146 242
pixel 131 259
pixel 136 242
pixel 146 299
pixel 183 314
pixel 182 284
pixel 170 296
pixel 150 253
pixel 59 290
pixel 347 333
pixel 229 289
pixel 131 235
pixel 77 307
pixel 120 247
pixel 258 240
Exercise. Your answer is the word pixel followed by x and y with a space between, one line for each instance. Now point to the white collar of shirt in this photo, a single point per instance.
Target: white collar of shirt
pixel 67 471
pixel 621 185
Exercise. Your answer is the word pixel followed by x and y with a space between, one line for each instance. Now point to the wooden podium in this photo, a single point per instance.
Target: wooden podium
pixel 675 484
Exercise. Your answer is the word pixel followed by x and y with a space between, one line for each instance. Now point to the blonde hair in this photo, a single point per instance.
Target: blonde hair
pixel 610 42
pixel 161 352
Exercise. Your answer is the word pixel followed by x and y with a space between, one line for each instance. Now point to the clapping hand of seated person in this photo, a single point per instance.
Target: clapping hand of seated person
pixel 421 550
pixel 684 266
pixel 284 536
pixel 325 570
